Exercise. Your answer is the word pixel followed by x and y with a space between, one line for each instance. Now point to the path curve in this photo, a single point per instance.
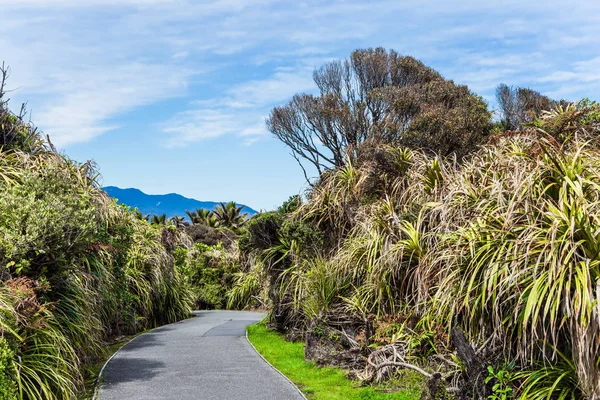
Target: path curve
pixel 206 357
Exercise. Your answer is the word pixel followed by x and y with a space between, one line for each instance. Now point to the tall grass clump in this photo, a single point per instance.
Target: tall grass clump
pixel 518 255
pixel 416 251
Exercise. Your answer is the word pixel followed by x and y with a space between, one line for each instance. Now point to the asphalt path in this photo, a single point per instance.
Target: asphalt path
pixel 206 357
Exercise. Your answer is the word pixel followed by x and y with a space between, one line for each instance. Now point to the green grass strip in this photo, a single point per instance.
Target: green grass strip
pixel 321 383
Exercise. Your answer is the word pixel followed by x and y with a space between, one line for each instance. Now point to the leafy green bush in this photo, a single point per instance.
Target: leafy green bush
pixel 42 220
pixel 262 231
pixel 290 205
pixel 305 235
pixel 210 236
pixel 210 272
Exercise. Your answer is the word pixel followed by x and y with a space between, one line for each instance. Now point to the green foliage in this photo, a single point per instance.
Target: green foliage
pixel 322 383
pixel 501 383
pixel 76 270
pixel 262 231
pixel 591 111
pixel 159 219
pixel 210 274
pixel 8 390
pixel 229 215
pixel 208 235
pixel 247 288
pixel 203 217
pixel 290 205
pixel 41 220
pixel 305 235
pixel 503 245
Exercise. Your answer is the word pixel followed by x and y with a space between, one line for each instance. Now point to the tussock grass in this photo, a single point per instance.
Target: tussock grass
pixel 504 245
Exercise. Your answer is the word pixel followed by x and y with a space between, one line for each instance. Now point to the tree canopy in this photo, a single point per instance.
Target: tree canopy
pixel 519 106
pixel 378 96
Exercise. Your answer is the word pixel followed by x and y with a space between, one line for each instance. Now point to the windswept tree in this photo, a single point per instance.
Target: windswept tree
pixel 519 106
pixel 230 215
pixel 380 97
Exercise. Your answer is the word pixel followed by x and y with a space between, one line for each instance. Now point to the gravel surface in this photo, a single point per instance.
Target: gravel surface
pixel 206 357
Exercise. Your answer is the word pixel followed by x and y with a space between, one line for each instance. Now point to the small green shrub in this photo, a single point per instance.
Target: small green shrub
pixel 305 236
pixel 501 380
pixel 210 236
pixel 290 205
pixel 262 231
pixel 210 274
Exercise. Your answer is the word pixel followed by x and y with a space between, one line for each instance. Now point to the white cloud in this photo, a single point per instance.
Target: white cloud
pixel 582 80
pixel 583 71
pixel 241 112
pixel 95 60
pixel 200 124
pixel 87 99
pixel 281 86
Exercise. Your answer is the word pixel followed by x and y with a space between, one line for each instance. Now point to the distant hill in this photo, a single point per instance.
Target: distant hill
pixel 170 204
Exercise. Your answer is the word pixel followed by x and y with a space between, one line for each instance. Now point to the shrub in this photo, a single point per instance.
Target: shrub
pixel 76 269
pixel 303 234
pixel 210 236
pixel 290 205
pixel 43 220
pixel 210 273
pixel 262 231
pixel 503 246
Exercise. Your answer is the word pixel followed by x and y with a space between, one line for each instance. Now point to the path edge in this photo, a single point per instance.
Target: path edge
pixel 101 373
pixel 271 365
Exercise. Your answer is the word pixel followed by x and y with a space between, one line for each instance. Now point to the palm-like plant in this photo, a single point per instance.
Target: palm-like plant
pixel 159 219
pixel 178 222
pixel 141 216
pixel 202 216
pixel 230 215
pixel 198 216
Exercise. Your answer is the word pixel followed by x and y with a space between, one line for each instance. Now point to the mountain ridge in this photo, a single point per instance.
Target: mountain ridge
pixel 170 204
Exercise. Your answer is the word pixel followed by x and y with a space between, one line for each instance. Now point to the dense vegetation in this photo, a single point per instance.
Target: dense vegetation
pixel 434 240
pixel 76 269
pixel 481 272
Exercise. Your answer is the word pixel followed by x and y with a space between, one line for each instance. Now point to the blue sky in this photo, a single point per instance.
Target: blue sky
pixel 171 95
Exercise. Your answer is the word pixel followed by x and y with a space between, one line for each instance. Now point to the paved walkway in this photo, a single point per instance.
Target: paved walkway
pixel 206 357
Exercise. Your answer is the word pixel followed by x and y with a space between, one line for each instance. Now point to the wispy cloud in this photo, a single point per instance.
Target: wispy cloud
pixel 87 99
pixel 83 65
pixel 582 77
pixel 583 71
pixel 241 111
